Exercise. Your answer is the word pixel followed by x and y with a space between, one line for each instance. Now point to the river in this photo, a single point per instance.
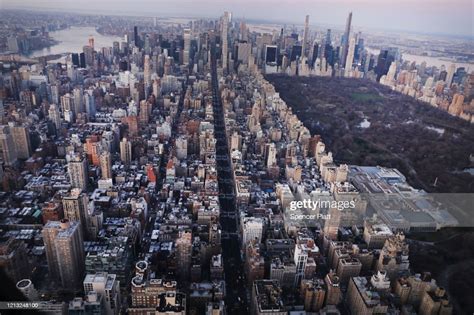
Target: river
pixel 430 61
pixel 73 39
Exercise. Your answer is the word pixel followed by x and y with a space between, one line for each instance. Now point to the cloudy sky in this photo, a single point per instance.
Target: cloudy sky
pixel 454 17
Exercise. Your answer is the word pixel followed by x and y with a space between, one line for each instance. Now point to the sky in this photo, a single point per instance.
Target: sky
pixel 451 17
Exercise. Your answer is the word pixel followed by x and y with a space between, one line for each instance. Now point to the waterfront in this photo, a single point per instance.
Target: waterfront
pixel 73 39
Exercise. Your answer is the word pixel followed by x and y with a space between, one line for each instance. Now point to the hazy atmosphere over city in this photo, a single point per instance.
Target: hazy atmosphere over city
pixel 297 157
pixel 452 17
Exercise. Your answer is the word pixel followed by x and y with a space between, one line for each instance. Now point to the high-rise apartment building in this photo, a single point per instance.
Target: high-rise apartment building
pixel 64 248
pixel 345 39
pixel 125 151
pixel 21 138
pixel 305 36
pixel 8 151
pixel 75 207
pixel 224 39
pixel 106 165
pixel 78 169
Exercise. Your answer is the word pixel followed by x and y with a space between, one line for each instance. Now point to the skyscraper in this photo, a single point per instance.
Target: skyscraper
pixel 89 103
pixel 21 137
pixel 64 248
pixel 77 169
pixel 345 39
pixel 8 151
pixel 183 254
pixel 54 116
pixel 135 36
pixel 350 58
pixel 125 151
pixel 75 207
pixel 224 39
pixel 187 45
pixel 305 36
pixel 147 71
pixel 450 74
pixel 385 59
pixel 106 165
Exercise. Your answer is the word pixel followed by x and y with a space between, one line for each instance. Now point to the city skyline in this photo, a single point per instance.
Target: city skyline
pixel 437 17
pixel 218 166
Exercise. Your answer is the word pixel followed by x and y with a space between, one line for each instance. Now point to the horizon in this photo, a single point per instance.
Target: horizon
pixel 367 14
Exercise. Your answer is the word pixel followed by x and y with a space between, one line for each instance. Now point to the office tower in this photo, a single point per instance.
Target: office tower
pixel 67 106
pixel 313 54
pixel 54 116
pixel 350 57
pixel 271 58
pixel 333 284
pixel 91 42
pixel 187 45
pixel 14 258
pixel 385 59
pixel 305 36
pixel 147 71
pixel 271 54
pixel 125 151
pixel 450 74
pixel 362 298
pixel 77 170
pixel 21 138
pixel 75 207
pixel 296 52
pixel 183 253
pixel 64 249
pixel 136 39
pixel 8 151
pixel 88 55
pixel 244 50
pixel 78 94
pixel 266 298
pixel 345 39
pixel 243 35
pixel 224 40
pixel 313 292
pixel 89 103
pixel 394 257
pixel 106 285
pixel 145 112
pixel 27 288
pixel 106 165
